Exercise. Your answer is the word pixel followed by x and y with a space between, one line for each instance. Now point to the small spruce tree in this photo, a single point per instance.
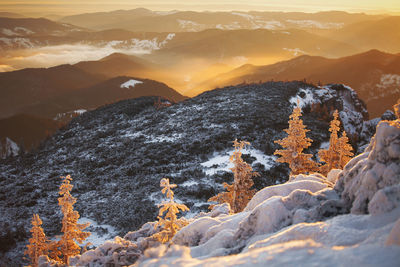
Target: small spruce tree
pixel 294 144
pixel 38 244
pixel 73 231
pixel 170 223
pixel 345 149
pixel 239 193
pixel 339 151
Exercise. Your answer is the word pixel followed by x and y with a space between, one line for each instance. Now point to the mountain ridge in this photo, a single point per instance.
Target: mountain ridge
pixel 360 71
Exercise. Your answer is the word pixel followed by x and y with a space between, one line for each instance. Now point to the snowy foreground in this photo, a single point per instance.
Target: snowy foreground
pixel 350 218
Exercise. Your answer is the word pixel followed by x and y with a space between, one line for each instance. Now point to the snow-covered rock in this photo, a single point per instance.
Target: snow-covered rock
pixel 312 183
pixel 378 168
pixel 346 240
pixel 352 112
pixel 8 148
pixel 272 209
pixel 119 252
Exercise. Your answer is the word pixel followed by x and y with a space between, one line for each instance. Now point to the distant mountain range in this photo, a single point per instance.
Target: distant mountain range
pixel 11 15
pixel 301 36
pixel 33 27
pixel 374 75
pixel 371 34
pixel 145 20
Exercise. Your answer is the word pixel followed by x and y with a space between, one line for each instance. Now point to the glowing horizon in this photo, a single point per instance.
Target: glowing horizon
pixel 64 7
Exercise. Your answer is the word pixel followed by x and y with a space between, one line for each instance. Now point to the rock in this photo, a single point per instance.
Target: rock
pixel 388 115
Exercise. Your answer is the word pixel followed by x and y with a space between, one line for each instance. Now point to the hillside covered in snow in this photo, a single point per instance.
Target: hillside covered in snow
pixel 350 217
pixel 118 153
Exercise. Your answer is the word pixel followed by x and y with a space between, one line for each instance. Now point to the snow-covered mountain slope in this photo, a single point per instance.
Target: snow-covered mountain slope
pixel 118 153
pixel 308 221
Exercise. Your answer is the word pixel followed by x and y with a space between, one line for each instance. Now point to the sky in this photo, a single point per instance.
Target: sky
pixel 63 7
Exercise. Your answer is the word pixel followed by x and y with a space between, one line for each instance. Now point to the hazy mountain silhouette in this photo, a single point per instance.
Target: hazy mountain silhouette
pixel 114 90
pixel 217 45
pixel 94 20
pixel 27 87
pixel 11 15
pixel 380 34
pixel 118 64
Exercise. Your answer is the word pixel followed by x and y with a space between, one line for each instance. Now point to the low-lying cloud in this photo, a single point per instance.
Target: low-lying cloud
pixel 49 56
pixel 61 54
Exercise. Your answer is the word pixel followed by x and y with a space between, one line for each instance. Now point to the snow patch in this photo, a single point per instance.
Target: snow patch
pixel 304 98
pixel 220 162
pixel 163 138
pixel 8 32
pixel 243 15
pixel 80 111
pixel 23 30
pixel 316 24
pixel 130 83
pixel 295 51
pixel 190 25
pixel 99 232
pixel 17 42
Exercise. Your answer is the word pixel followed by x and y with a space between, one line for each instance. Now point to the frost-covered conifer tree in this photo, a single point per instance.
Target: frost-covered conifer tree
pixel 339 151
pixel 345 149
pixel 170 223
pixel 239 193
pixel 294 144
pixel 38 244
pixel 72 230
